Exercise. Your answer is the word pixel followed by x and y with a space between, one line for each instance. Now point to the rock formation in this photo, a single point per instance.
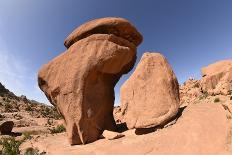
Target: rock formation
pixel 217 78
pixel 150 97
pixel 80 82
pixel 190 91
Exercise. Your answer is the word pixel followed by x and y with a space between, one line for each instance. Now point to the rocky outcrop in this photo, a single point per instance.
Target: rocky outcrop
pixel 217 78
pixel 150 97
pixel 190 92
pixel 80 82
pixel 6 127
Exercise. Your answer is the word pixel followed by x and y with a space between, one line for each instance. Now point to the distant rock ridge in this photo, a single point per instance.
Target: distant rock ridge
pixel 4 91
pixel 10 103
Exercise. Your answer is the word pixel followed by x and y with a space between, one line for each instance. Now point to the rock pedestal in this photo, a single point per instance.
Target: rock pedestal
pixel 80 82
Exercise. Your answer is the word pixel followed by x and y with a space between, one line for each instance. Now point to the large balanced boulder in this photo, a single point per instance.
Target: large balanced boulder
pixel 217 78
pixel 80 82
pixel 150 97
pixel 6 127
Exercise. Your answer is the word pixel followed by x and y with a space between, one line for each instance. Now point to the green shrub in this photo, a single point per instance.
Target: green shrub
pixel 31 151
pixel 216 100
pixel 58 129
pixel 10 146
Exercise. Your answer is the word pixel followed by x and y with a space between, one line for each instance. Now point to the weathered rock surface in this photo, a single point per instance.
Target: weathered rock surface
pixel 109 25
pixel 217 78
pixel 190 92
pixel 6 127
pixel 150 97
pixel 80 81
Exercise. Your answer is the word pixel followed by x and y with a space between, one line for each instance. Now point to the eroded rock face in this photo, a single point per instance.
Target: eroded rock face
pixel 217 78
pixel 80 82
pixel 150 97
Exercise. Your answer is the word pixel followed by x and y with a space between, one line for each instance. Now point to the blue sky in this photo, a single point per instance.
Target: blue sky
pixel 190 33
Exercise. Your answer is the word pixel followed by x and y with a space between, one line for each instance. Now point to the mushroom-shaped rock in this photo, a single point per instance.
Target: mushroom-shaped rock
pixel 80 82
pixel 150 97
pixel 6 127
pixel 110 25
pixel 217 78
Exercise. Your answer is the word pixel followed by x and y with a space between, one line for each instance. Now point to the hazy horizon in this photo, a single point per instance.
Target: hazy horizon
pixel 190 34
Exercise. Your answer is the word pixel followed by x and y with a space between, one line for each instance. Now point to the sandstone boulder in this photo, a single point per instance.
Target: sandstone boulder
pixel 217 78
pixel 110 135
pixel 6 127
pixel 80 82
pixel 150 97
pixel 116 26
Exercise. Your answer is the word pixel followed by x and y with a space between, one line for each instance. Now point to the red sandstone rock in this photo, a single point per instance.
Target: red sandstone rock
pixel 217 78
pixel 111 25
pixel 80 82
pixel 150 97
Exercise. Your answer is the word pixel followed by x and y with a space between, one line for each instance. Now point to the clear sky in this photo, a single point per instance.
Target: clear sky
pixel 190 33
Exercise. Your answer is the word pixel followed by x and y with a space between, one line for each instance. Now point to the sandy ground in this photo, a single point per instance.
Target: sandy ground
pixel 202 129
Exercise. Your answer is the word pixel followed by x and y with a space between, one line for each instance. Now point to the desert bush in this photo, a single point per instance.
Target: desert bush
pixel 28 108
pixel 26 136
pixel 10 146
pixel 58 129
pixel 50 121
pixel 50 112
pixel 31 151
pixel 8 107
pixel 230 92
pixel 196 85
pixel 216 100
pixel 204 95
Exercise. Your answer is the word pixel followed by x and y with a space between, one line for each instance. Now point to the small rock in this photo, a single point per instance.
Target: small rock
pixel 110 135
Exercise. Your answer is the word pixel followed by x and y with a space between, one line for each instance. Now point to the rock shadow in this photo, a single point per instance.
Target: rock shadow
pixel 121 127
pixel 142 131
pixel 13 134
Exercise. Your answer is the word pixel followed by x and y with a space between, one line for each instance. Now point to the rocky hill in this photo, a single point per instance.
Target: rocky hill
pixel 10 103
